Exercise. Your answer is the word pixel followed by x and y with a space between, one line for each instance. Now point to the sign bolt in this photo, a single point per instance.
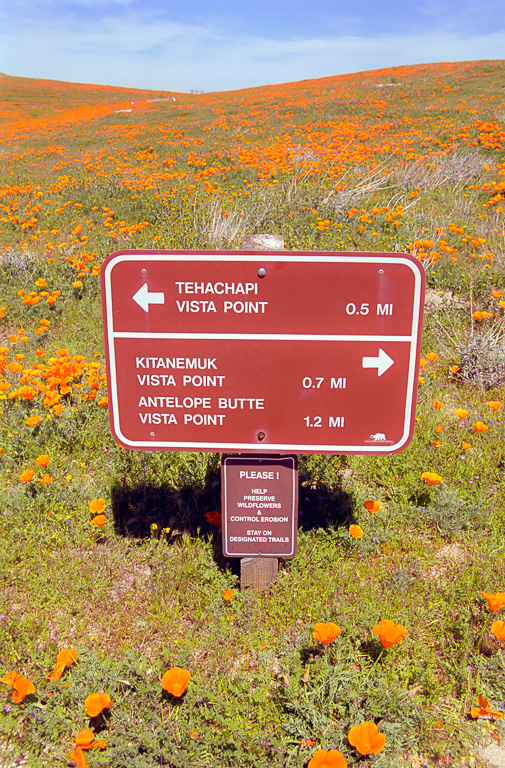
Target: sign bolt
pixel 261 435
pixel 262 272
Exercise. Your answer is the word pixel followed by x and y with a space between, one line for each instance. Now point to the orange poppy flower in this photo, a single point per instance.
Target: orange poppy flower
pixel 372 506
pixel 437 404
pixel 480 315
pixel 389 632
pixel 31 421
pixel 366 738
pixel 26 476
pixel 26 392
pixel 466 446
pixel 495 601
pixel 432 356
pixel 44 479
pixel 85 739
pixel 484 710
pixel 432 478
pixel 479 426
pixel 42 461
pixel 214 517
pixel 494 404
pixel 461 413
pixel 175 681
pixel 324 759
pixel 96 703
pixel 356 531
pixel 64 659
pixel 22 686
pixel 325 633
pixel 97 506
pixel 498 629
pixel 51 398
pixel 99 520
pixel 227 595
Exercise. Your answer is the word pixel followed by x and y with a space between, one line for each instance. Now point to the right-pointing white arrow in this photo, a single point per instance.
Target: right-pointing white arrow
pixel 382 362
pixel 144 298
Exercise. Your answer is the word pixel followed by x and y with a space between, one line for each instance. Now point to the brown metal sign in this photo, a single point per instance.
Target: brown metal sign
pixel 259 506
pixel 262 352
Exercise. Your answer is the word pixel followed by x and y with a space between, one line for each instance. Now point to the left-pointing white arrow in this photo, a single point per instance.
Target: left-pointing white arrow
pixel 382 362
pixel 144 298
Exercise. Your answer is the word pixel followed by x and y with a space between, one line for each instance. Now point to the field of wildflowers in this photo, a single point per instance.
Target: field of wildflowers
pixel 124 639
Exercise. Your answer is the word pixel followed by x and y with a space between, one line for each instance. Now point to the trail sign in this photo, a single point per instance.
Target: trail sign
pixel 259 502
pixel 262 352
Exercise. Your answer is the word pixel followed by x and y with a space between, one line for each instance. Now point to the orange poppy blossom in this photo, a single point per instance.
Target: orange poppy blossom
pixel 366 738
pixel 175 681
pixel 325 633
pixel 389 632
pixel 26 476
pixel 432 356
pixel 494 404
pixel 481 315
pixel 42 461
pixel 213 517
pixel 498 629
pixel 356 531
pixel 99 520
pixel 372 506
pixel 95 703
pixel 85 739
pixel 63 660
pixel 431 478
pixel 495 600
pixel 461 413
pixel 97 506
pixel 324 759
pixel 227 595
pixel 22 686
pixel 484 710
pixel 479 426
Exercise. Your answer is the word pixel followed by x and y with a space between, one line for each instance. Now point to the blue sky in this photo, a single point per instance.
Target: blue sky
pixel 216 45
